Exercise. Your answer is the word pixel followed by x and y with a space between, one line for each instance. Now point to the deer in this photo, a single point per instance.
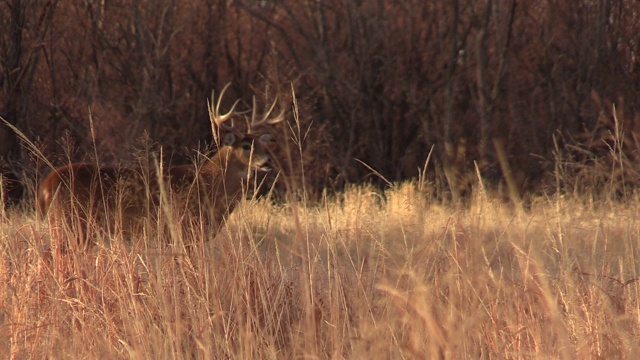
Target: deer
pixel 83 198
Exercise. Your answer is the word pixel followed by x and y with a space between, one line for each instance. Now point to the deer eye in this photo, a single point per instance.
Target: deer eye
pixel 228 139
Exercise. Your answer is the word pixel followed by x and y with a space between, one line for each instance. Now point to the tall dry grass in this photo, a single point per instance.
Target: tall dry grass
pixel 362 275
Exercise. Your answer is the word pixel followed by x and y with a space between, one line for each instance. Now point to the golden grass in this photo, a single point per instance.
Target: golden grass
pixel 362 276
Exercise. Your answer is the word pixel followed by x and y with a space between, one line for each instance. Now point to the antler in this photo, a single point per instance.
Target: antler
pixel 265 120
pixel 218 119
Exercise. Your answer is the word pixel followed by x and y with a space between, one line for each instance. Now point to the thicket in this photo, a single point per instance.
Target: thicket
pixel 533 94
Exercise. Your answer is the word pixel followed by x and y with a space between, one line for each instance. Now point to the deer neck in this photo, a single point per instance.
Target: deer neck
pixel 228 173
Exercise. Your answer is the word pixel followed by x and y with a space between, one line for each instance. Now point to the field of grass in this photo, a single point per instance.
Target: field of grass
pixel 365 275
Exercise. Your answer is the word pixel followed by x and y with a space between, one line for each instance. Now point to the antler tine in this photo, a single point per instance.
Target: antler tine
pixel 265 118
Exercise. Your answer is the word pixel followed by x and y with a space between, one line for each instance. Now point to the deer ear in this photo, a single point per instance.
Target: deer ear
pixel 267 140
pixel 229 139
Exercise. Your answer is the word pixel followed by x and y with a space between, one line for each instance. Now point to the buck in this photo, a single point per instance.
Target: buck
pixel 80 199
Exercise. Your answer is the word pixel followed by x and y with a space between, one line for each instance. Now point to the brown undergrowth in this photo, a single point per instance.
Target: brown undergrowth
pixel 362 275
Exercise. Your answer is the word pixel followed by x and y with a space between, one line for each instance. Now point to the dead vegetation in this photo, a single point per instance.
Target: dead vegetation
pixel 362 275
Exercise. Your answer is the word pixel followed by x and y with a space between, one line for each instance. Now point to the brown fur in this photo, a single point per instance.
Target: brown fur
pixel 83 198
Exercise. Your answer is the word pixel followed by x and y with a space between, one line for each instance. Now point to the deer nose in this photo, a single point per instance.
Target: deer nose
pixel 262 164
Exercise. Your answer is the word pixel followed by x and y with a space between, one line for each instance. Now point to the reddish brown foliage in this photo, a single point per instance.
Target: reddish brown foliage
pixel 382 82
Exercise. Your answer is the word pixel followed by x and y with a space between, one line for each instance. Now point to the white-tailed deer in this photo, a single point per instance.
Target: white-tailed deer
pixel 79 199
